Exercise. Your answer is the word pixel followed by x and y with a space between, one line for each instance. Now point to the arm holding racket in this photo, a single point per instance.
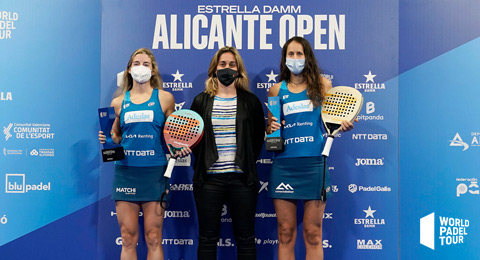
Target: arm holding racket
pixel 340 108
pixel 183 130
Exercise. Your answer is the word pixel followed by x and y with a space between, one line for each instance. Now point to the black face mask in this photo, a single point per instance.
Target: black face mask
pixel 227 76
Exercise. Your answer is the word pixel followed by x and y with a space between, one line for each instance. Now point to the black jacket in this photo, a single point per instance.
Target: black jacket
pixel 250 131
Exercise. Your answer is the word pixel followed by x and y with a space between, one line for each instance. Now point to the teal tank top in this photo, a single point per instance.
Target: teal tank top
pixel 303 125
pixel 142 128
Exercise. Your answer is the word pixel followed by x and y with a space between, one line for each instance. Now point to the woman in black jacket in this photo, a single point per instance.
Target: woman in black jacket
pixel 225 159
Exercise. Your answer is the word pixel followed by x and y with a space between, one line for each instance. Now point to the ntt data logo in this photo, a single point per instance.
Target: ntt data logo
pixel 451 231
pixel 177 84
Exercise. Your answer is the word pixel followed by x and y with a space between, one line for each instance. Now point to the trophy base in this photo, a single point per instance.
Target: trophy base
pixel 274 144
pixel 113 154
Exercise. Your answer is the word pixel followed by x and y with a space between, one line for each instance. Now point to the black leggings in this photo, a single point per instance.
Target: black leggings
pixel 241 200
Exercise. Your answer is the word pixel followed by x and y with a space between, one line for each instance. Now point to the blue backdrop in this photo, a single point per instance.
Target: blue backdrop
pixel 405 178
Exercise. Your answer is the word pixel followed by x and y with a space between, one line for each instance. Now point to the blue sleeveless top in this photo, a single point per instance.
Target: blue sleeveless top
pixel 303 123
pixel 142 127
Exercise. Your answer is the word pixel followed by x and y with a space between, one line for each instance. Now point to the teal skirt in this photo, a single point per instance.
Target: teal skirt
pixel 298 178
pixel 138 183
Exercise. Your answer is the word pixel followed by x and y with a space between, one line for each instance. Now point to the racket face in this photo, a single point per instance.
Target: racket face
pixel 183 128
pixel 341 104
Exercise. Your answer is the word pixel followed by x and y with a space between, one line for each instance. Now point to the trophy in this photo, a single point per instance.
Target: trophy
pixel 111 151
pixel 274 140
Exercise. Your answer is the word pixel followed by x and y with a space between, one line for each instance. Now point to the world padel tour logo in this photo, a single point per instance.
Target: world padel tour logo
pixel 177 84
pixel 28 131
pixel 442 231
pixel 370 85
pixel 7 24
pixel 272 79
pixel 458 141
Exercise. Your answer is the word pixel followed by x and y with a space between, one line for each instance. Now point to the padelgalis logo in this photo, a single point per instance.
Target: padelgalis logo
pixel 451 231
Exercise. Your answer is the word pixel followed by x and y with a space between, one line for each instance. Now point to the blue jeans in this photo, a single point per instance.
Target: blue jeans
pixel 241 201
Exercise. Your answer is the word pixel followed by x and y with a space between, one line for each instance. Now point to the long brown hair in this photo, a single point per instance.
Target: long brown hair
pixel 242 81
pixel 155 80
pixel 311 72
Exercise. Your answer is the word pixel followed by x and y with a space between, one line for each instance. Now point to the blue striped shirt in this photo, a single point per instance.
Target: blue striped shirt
pixel 223 120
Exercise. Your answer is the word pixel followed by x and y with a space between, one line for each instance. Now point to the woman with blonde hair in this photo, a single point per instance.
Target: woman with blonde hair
pixel 138 182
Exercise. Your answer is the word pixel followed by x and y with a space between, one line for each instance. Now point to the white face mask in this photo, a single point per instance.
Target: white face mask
pixel 295 65
pixel 141 74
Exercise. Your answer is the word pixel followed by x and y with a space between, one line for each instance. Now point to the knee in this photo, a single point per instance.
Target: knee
pixel 286 233
pixel 153 237
pixel 313 235
pixel 129 238
pixel 208 239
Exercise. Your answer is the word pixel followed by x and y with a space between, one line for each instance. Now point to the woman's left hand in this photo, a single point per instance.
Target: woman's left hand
pixel 347 126
pixel 184 152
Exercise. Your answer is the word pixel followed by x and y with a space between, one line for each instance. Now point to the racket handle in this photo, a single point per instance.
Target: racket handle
pixel 168 171
pixel 328 145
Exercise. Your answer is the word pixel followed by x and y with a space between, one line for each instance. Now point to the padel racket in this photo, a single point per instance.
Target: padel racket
pixel 340 104
pixel 183 128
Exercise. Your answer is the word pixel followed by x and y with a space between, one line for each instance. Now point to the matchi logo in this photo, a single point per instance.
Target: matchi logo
pixel 177 84
pixel 457 141
pixel 370 85
pixel 284 188
pixel 451 231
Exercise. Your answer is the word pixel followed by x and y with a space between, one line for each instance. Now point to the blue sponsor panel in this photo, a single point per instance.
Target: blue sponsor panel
pixel 439 154
pixel 184 37
pixel 50 84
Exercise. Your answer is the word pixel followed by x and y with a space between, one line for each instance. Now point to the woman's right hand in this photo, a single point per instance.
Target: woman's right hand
pixel 274 125
pixel 101 137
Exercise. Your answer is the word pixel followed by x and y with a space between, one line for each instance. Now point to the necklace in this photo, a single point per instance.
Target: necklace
pixel 296 84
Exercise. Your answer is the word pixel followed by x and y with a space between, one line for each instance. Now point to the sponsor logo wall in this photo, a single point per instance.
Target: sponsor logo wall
pixel 404 186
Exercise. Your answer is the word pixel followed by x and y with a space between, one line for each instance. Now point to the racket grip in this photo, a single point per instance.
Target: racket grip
pixel 168 171
pixel 328 145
